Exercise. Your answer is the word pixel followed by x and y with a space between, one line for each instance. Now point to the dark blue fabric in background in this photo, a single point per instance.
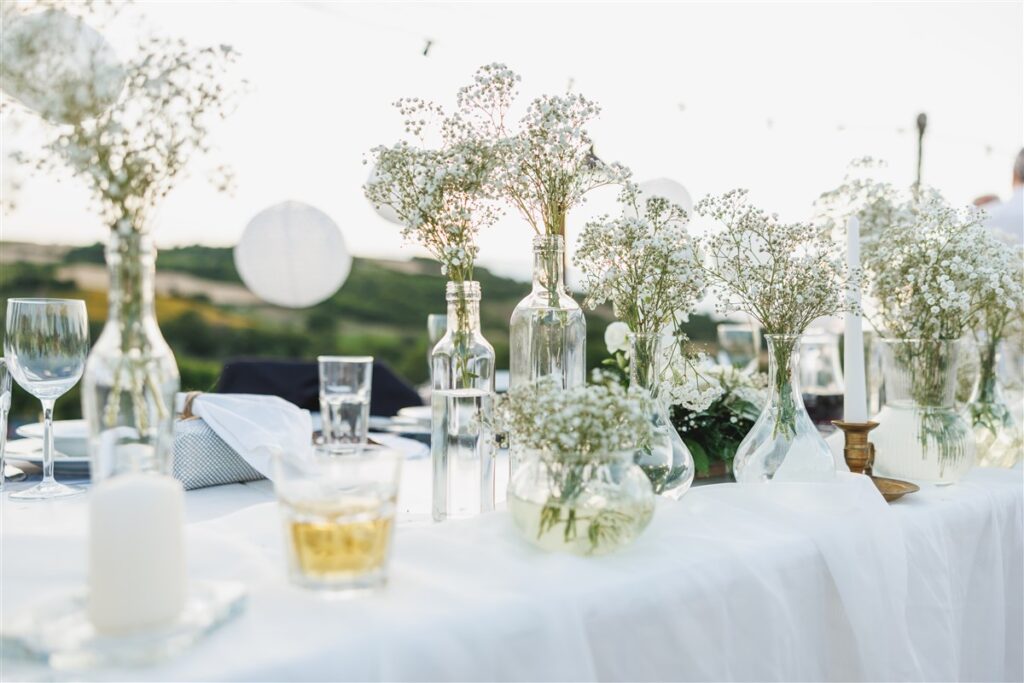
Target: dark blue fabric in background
pixel 299 382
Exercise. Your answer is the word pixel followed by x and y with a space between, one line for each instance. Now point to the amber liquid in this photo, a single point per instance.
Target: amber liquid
pixel 330 542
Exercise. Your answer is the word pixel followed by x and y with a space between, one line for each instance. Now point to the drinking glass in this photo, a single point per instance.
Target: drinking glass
pixel 345 383
pixel 5 405
pixel 821 378
pixel 437 325
pixel 338 512
pixel 45 347
pixel 740 346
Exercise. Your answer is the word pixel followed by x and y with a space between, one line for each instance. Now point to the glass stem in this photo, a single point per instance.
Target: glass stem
pixel 47 442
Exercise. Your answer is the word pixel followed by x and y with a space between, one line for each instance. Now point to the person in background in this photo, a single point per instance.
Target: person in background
pixel 1007 217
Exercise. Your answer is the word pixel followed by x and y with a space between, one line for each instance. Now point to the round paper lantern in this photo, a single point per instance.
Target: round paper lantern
pixel 384 211
pixel 670 190
pixel 59 66
pixel 292 255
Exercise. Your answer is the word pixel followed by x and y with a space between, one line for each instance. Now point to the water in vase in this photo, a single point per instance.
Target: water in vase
pixel 463 453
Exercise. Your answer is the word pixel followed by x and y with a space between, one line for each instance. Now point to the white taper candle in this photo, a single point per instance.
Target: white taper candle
pixel 855 401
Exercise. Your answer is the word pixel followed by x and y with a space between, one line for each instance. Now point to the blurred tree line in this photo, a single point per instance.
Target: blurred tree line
pixel 381 310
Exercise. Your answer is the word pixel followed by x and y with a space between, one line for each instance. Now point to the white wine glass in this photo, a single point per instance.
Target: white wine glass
pixel 45 347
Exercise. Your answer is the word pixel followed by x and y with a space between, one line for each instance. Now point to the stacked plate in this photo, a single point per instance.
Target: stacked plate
pixel 70 442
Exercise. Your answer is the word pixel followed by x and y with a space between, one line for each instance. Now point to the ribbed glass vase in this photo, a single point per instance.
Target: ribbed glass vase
pixel 921 435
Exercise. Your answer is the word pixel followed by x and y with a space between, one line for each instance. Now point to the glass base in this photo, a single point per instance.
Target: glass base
pixel 58 632
pixel 46 490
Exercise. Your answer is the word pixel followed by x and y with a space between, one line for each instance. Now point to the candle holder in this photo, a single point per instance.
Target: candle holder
pixel 859 454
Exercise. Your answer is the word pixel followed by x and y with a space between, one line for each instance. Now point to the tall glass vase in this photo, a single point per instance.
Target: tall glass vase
pixel 130 377
pixel 998 438
pixel 783 444
pixel 462 445
pixel 666 460
pixel 548 332
pixel 136 507
pixel 921 435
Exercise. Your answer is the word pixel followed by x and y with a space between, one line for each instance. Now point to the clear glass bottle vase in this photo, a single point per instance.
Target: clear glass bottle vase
pixel 998 439
pixel 666 460
pixel 783 444
pixel 548 331
pixel 462 446
pixel 130 377
pixel 921 435
pixel 137 576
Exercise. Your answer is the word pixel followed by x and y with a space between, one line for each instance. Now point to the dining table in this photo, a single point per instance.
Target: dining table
pixel 776 581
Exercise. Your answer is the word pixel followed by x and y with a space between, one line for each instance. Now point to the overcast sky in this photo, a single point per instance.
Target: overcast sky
pixel 777 98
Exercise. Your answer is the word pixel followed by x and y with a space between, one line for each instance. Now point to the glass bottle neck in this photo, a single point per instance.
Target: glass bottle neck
pixel 131 262
pixel 463 307
pixel 987 388
pixel 549 264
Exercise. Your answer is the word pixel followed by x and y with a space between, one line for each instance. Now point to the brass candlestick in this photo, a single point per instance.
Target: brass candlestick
pixel 857 450
pixel 860 456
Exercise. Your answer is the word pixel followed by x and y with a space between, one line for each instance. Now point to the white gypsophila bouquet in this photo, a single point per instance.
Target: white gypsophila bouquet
pixel 131 153
pixel 1000 317
pixel 929 272
pixel 645 264
pixel 439 194
pixel 581 424
pixel 547 163
pixel 784 275
pixel 876 203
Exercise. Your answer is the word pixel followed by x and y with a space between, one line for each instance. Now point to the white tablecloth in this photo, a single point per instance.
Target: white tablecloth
pixel 775 582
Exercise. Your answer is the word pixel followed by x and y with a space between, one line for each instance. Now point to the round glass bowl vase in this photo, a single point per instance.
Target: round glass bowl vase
pixel 584 506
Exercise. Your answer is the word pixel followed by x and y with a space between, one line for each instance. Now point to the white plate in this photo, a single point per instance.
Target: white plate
pixel 70 437
pixel 418 413
pixel 31 450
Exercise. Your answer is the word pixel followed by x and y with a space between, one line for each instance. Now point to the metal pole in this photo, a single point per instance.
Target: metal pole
pixel 922 123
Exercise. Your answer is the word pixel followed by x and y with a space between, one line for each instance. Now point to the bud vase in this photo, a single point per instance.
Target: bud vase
pixel 998 438
pixel 666 460
pixel 548 332
pixel 462 447
pixel 783 444
pixel 136 508
pixel 921 435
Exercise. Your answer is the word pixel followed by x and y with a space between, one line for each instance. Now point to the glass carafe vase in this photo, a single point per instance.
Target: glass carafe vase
pixel 783 444
pixel 666 460
pixel 548 332
pixel 998 439
pixel 130 377
pixel 462 446
pixel 921 435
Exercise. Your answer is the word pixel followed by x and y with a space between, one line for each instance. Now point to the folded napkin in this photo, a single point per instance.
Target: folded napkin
pixel 255 427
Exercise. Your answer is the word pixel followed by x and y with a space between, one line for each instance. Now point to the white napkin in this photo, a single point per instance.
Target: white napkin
pixel 255 426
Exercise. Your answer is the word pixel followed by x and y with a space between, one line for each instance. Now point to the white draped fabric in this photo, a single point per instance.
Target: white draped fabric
pixel 774 582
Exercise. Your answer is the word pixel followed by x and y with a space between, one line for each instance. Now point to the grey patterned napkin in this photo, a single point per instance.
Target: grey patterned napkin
pixel 201 458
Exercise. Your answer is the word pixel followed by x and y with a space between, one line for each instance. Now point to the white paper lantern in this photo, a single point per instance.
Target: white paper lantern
pixel 384 211
pixel 669 189
pixel 292 255
pixel 59 66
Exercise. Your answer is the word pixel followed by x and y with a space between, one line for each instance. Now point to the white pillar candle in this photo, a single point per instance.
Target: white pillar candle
pixel 136 552
pixel 855 400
